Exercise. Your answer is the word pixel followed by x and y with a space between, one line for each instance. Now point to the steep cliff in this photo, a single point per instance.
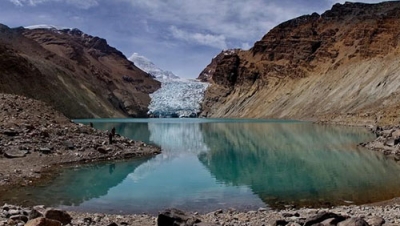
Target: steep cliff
pixel 80 75
pixel 342 66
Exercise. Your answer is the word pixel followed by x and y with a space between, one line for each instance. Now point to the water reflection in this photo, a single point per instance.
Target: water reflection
pixel 211 164
pixel 302 164
pixel 77 184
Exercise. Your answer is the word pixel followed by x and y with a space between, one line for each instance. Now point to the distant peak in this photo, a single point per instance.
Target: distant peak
pixel 45 26
pixel 146 65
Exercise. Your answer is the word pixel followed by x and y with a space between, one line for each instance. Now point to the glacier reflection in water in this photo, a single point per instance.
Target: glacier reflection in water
pixel 210 164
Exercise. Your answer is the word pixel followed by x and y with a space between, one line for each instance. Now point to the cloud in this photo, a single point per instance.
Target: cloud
pixel 82 4
pixel 216 41
pixel 239 20
pixel 30 2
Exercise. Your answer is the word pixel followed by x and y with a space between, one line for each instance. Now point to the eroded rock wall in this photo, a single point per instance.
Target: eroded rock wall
pixel 80 75
pixel 339 66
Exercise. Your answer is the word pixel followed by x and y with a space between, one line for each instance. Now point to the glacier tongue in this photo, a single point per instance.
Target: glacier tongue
pixel 177 98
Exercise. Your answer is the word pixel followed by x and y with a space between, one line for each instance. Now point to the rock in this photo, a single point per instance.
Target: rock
pixel 321 217
pixel 376 221
pixel 34 214
pixel 329 222
pixel 15 154
pixel 280 223
pixel 102 150
pixel 69 145
pixel 45 150
pixel 43 222
pixel 390 142
pixel 176 217
pixel 113 224
pixel 10 133
pixel 58 215
pixel 19 218
pixel 14 212
pixel 353 222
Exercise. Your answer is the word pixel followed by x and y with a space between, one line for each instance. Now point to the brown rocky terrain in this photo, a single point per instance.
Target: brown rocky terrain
pixel 80 75
pixel 34 138
pixel 340 66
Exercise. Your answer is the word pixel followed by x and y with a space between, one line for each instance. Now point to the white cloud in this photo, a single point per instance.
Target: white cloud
pixel 216 41
pixel 83 4
pixel 30 2
pixel 238 20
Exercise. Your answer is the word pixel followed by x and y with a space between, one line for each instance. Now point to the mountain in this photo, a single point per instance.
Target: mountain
pixel 149 67
pixel 78 74
pixel 340 66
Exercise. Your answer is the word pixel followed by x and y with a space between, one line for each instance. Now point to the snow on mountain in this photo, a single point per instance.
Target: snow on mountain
pixel 45 26
pixel 149 67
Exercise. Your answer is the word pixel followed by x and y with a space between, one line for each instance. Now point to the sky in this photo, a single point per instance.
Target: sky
pixel 181 36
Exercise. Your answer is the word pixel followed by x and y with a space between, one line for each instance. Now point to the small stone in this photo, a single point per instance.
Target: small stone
pixel 45 150
pixel 102 150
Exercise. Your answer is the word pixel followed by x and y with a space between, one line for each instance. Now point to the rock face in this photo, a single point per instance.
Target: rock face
pixel 80 75
pixel 339 66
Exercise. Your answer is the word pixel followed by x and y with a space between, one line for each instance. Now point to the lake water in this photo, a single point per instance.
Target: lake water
pixel 208 164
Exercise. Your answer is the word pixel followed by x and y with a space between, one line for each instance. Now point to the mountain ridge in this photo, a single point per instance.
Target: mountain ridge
pixel 340 66
pixel 78 74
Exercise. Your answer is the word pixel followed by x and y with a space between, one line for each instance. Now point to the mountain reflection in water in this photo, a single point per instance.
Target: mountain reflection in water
pixel 207 164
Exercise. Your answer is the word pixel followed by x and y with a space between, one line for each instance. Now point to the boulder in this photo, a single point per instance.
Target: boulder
pixel 354 222
pixel 376 221
pixel 34 214
pixel 175 217
pixel 15 154
pixel 58 215
pixel 43 222
pixel 19 218
pixel 320 217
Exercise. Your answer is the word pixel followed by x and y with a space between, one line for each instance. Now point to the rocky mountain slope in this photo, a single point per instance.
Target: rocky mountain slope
pixel 80 75
pixel 149 67
pixel 340 66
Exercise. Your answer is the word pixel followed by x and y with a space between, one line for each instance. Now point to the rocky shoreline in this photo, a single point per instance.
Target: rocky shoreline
pixel 34 138
pixel 365 215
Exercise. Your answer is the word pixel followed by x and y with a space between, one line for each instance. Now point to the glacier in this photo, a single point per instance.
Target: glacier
pixel 177 98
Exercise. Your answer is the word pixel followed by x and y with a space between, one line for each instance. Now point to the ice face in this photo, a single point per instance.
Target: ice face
pixel 177 98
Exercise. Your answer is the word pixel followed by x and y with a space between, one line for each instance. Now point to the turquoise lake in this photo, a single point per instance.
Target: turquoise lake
pixel 209 164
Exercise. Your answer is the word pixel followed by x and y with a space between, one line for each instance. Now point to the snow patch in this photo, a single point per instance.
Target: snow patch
pixel 45 26
pixel 149 67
